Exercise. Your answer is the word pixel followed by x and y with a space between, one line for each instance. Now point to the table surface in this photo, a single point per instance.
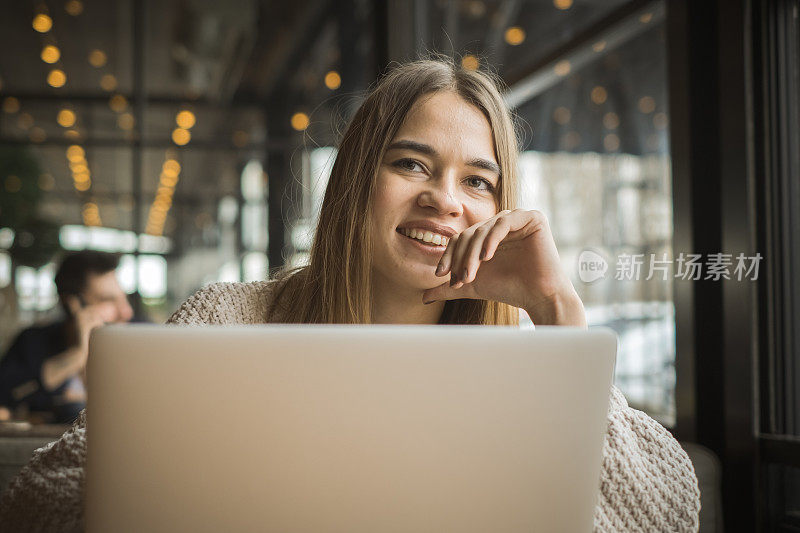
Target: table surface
pixel 26 429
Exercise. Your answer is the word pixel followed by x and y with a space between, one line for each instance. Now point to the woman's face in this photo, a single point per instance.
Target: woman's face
pixel 438 177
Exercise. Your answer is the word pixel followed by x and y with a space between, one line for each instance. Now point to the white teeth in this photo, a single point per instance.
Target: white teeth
pixel 426 236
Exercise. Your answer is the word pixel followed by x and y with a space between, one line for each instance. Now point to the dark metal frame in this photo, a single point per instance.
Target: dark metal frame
pixel 777 89
pixel 710 73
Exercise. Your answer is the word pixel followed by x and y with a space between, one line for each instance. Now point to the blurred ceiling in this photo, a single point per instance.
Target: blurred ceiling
pixel 243 68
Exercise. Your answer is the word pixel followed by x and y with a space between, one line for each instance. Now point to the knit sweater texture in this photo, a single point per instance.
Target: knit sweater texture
pixel 647 481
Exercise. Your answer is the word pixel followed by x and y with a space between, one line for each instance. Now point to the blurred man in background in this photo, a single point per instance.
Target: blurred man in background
pixel 42 376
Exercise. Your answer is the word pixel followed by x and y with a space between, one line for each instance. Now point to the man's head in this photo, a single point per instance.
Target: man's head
pixel 89 278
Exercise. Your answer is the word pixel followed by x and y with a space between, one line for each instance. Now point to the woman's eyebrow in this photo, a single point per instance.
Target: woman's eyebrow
pixel 484 164
pixel 412 145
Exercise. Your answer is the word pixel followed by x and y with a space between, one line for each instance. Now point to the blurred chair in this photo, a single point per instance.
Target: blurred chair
pixel 708 468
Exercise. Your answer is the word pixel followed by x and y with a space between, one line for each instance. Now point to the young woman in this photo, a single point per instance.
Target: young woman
pixel 418 226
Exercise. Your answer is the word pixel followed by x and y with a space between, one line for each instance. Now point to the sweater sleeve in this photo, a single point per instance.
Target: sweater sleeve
pixel 47 494
pixel 647 481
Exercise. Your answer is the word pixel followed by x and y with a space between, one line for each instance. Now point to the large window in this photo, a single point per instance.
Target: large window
pixel 596 161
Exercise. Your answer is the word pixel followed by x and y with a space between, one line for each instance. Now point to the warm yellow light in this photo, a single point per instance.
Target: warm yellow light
pixel 125 121
pixel 37 134
pixel 66 118
pixel 300 121
pixel 75 153
pixel 79 168
pixel 562 115
pixel 562 68
pixel 185 119
pixel 599 95
pixel 181 136
pixel 611 142
pixel 72 134
pixel 13 184
pixel 599 46
pixel 470 62
pixel 10 105
pixel 515 35
pixel 50 54
pixel 42 23
pixel 97 58
pixel 171 167
pixel 56 78
pixel 169 180
pixel 647 104
pixel 562 4
pixel 611 121
pixel 108 82
pixel 118 103
pixel 74 7
pixel 646 18
pixel 333 80
pixel 81 177
pixel 83 185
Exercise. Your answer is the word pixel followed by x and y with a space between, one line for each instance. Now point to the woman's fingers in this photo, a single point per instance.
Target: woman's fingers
pixel 478 243
pixel 496 235
pixel 457 258
pixel 472 256
pixel 447 257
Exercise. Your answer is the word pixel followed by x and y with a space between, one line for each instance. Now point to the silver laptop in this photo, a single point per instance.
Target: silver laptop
pixel 314 429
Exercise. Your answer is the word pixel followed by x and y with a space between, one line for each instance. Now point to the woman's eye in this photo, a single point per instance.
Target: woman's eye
pixel 480 183
pixel 409 164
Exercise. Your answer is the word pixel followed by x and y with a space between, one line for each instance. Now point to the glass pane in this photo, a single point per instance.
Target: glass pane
pixel 596 161
pixel 510 36
pixel 168 169
pixel 783 497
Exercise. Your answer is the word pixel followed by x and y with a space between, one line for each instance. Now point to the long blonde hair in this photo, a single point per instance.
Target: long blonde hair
pixel 335 287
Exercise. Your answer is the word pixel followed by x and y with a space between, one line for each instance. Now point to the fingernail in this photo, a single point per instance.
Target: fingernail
pixel 439 269
pixel 483 255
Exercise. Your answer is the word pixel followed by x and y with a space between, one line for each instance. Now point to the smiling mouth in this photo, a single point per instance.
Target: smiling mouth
pixel 429 238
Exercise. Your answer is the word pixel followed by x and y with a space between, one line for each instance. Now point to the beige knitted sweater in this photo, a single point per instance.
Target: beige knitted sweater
pixel 647 482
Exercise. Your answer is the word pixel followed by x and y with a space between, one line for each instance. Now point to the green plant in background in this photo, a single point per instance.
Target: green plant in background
pixel 36 239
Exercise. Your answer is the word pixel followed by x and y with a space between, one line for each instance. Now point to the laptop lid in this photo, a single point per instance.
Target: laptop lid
pixel 345 428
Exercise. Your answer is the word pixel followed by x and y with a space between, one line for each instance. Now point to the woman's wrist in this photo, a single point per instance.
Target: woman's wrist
pixel 561 309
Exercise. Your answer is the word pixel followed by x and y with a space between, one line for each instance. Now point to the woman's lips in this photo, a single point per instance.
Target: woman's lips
pixel 425 247
pixel 424 235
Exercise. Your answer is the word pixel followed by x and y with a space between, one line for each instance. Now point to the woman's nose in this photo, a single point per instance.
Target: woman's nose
pixel 441 195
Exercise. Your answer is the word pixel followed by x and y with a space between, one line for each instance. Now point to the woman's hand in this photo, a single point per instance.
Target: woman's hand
pixel 510 258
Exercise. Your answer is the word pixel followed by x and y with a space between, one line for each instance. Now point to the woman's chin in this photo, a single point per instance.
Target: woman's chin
pixel 424 278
